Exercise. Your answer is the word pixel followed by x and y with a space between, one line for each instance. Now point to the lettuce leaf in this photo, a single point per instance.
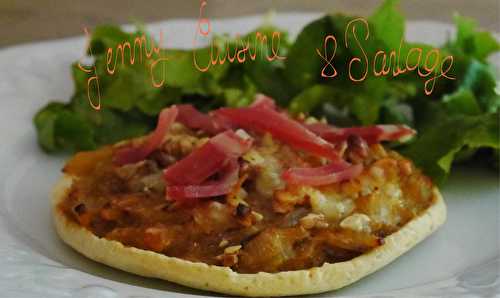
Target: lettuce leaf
pixel 60 128
pixel 471 41
pixel 436 147
pixel 389 24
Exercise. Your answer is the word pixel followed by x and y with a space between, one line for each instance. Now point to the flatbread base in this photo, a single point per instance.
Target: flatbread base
pixel 222 279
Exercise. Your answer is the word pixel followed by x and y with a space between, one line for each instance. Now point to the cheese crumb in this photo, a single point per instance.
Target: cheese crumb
pixel 357 222
pixel 232 249
pixel 223 243
pixel 313 220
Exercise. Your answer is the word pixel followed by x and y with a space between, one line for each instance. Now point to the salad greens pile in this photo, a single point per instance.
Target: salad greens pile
pixel 459 121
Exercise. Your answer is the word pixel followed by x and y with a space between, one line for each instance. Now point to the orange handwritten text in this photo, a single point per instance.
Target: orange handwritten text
pixel 328 60
pixel 237 50
pixel 120 53
pixel 429 66
pixel 93 80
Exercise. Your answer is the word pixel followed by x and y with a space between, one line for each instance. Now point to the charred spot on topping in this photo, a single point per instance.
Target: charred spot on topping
pixel 101 227
pixel 242 210
pixel 381 241
pixel 339 254
pixel 80 209
pixel 382 233
pixel 163 159
pixel 166 207
pixel 246 216
pixel 357 149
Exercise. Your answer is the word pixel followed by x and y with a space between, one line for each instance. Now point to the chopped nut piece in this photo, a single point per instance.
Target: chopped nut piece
pixel 157 239
pixel 162 159
pixel 230 255
pixel 357 222
pixel 179 146
pixel 309 120
pixel 202 142
pixel 341 148
pixel 228 260
pixel 378 151
pixel 405 167
pixel 232 249
pixel 313 220
pixel 301 116
pixel 243 134
pixel 178 128
pixel 286 200
pixel 238 195
pixel 377 172
pixel 223 243
pixel 257 216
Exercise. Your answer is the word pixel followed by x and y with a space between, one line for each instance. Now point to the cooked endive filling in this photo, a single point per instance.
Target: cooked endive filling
pixel 248 188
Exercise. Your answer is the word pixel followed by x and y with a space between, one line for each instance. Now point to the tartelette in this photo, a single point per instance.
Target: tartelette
pixel 248 201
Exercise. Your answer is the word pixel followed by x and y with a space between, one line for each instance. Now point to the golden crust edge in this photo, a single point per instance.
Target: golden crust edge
pixel 223 280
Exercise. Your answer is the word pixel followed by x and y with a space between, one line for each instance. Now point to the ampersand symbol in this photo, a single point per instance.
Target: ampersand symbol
pixel 328 60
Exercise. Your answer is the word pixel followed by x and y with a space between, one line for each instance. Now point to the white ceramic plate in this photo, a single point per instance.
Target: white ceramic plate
pixel 459 260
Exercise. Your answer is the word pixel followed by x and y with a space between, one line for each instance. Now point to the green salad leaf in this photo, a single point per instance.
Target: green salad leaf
pixel 58 127
pixel 435 149
pixel 471 41
pixel 389 24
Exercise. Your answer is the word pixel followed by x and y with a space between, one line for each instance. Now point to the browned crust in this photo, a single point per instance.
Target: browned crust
pixel 222 279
